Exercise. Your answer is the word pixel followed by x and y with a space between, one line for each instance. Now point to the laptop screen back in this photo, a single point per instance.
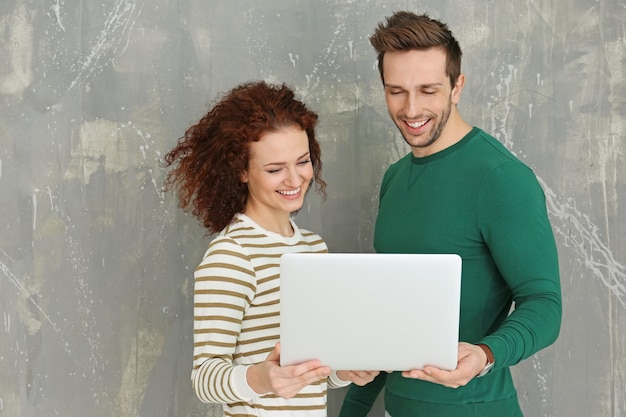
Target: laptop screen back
pixel 370 311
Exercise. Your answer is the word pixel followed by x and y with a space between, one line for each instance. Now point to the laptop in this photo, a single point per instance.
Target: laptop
pixel 366 311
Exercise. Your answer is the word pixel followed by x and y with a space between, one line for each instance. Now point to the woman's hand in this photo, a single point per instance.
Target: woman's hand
pixel 268 376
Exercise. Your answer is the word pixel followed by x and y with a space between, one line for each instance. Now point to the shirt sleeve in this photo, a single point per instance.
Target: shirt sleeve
pixel 224 285
pixel 335 382
pixel 515 225
pixel 359 400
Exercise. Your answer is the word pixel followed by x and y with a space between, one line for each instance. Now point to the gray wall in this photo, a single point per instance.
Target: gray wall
pixel 96 262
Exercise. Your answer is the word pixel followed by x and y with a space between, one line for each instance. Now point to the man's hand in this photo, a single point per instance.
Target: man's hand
pixel 472 360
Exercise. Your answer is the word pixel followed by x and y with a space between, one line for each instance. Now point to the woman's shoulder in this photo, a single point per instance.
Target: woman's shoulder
pixel 313 240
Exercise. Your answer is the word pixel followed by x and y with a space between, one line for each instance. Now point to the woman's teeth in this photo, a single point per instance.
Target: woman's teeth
pixel 292 192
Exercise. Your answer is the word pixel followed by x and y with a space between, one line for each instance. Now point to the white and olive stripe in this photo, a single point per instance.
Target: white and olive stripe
pixel 236 318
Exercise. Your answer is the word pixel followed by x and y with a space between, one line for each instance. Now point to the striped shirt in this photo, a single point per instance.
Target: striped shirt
pixel 236 320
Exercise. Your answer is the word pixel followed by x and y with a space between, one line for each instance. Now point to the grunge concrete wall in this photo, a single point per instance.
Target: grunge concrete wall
pixel 96 261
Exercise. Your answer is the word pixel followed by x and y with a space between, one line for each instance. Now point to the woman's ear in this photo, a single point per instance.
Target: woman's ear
pixel 244 176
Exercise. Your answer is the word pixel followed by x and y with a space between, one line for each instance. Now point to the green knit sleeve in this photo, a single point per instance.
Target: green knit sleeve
pixel 513 219
pixel 359 400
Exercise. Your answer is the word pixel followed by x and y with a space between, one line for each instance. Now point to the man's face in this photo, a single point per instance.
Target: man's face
pixel 419 97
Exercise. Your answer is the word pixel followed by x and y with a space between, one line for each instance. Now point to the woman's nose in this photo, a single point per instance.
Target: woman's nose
pixel 293 177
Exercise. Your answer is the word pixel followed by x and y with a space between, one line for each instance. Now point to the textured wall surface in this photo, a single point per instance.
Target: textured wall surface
pixel 96 261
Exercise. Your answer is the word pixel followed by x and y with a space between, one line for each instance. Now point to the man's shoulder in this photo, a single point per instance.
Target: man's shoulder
pixel 498 168
pixel 488 152
pixel 492 147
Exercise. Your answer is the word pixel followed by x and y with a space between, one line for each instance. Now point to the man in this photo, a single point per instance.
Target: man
pixel 460 191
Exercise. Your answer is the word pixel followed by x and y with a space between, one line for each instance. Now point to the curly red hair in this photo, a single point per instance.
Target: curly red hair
pixel 209 159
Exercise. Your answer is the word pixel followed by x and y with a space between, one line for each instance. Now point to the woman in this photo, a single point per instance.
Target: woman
pixel 242 170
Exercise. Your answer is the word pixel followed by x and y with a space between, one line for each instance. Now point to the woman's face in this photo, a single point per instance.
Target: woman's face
pixel 279 173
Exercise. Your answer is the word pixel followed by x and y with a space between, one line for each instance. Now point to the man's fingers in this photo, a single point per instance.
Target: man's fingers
pixel 364 377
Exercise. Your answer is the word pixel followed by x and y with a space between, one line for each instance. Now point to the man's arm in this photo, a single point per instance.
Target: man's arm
pixel 360 399
pixel 518 233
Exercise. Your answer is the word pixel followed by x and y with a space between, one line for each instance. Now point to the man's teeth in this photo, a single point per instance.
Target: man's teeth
pixel 415 125
pixel 292 192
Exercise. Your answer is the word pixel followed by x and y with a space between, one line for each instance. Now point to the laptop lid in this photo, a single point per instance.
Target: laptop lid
pixel 370 311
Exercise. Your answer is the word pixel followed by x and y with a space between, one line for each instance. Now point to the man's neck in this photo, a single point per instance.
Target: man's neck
pixel 455 130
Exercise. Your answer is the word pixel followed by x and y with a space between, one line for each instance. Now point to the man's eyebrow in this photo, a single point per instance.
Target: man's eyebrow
pixel 429 85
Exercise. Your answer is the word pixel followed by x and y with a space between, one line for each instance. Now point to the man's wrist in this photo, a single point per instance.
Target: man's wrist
pixel 489 362
pixel 488 353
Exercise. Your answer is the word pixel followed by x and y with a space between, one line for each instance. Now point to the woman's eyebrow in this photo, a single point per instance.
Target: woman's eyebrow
pixel 307 153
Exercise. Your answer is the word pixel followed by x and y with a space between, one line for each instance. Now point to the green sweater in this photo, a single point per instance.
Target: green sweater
pixel 477 200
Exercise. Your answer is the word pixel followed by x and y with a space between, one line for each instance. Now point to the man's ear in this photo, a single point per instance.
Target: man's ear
pixel 458 88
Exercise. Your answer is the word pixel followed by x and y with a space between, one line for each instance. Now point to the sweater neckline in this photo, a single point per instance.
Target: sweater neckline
pixel 447 151
pixel 296 237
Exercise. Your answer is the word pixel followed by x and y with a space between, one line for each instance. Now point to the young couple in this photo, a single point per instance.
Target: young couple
pixel 247 165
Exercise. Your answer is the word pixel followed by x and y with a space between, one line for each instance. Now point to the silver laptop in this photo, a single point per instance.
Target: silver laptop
pixel 390 312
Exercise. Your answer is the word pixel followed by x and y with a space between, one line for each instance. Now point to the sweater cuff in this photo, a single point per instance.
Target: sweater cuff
pixel 335 382
pixel 239 382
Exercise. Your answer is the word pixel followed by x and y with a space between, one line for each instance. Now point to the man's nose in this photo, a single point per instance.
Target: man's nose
pixel 412 106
